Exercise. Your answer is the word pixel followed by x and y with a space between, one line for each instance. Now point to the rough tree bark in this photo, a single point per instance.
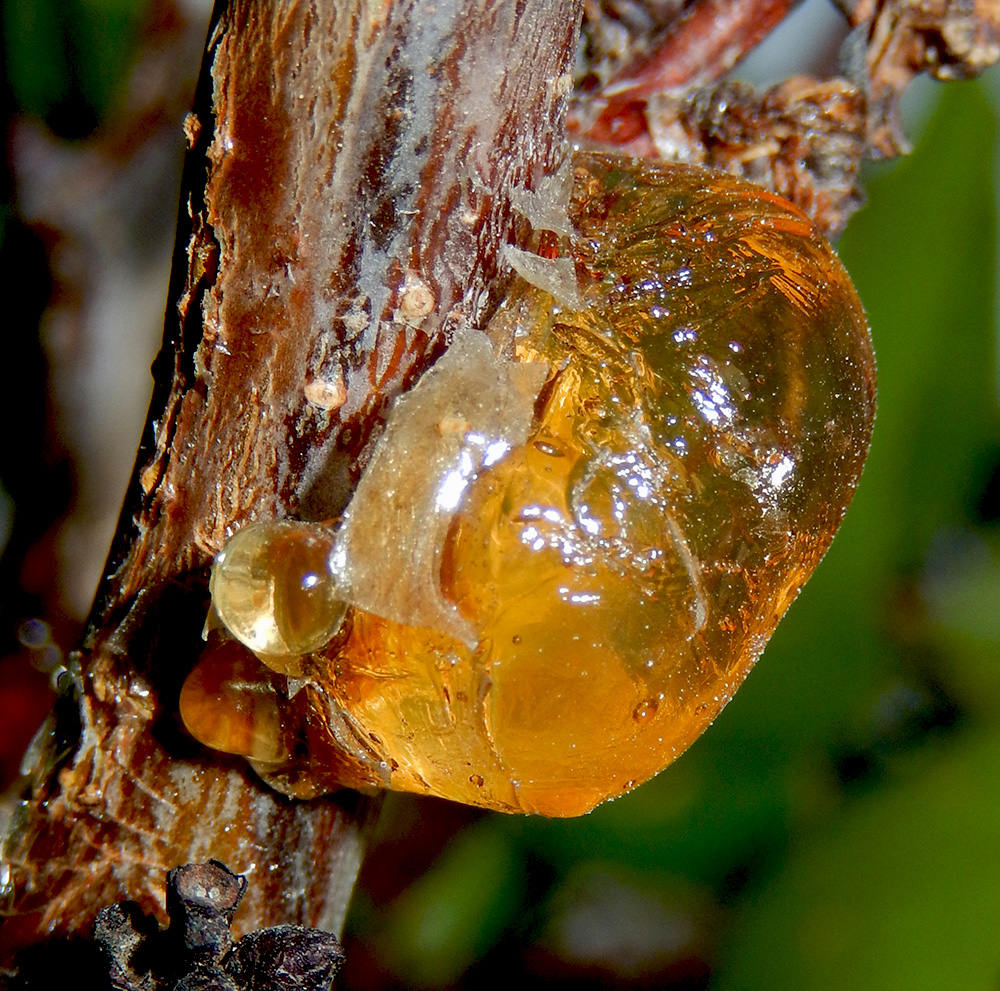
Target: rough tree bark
pixel 345 193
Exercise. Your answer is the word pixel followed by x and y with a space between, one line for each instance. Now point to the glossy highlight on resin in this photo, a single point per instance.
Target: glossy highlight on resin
pixel 579 530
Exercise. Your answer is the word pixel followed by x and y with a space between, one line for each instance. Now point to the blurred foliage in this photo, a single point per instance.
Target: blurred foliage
pixel 455 913
pixel 66 59
pixel 838 825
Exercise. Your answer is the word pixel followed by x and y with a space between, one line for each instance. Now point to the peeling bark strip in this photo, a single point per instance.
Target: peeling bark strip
pixel 350 212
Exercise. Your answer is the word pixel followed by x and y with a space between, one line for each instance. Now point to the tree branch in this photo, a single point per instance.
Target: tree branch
pixel 345 196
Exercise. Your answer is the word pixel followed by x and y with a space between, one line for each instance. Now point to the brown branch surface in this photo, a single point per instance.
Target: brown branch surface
pixel 346 192
pixel 703 44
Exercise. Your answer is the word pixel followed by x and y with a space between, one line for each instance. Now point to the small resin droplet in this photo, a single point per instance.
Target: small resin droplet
pixel 229 702
pixel 273 588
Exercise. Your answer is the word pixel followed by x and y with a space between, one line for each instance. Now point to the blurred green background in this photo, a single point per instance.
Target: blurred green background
pixel 839 825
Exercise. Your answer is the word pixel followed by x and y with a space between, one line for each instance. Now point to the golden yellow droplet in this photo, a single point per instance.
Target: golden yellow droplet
pixel 273 588
pixel 229 702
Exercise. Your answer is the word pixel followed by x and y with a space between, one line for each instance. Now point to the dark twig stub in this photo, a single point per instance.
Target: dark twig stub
pixel 196 950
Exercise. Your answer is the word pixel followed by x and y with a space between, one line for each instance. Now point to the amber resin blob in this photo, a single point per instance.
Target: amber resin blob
pixel 578 530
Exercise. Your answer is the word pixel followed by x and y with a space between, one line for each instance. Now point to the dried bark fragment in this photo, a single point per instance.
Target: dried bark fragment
pixel 950 39
pixel 803 138
pixel 285 958
pixel 123 933
pixel 196 951
pixel 201 902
